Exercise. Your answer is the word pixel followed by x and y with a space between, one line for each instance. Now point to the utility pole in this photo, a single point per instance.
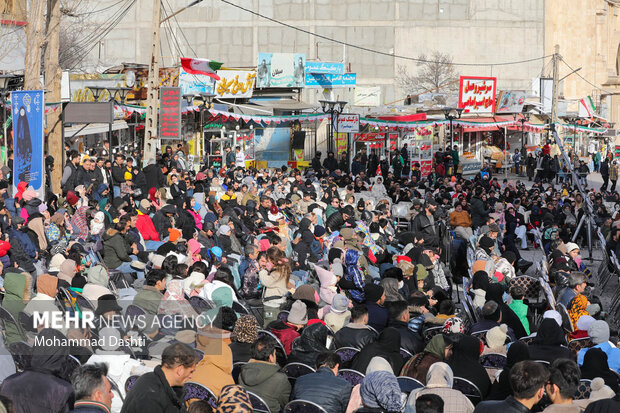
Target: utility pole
pixel 556 84
pixel 53 78
pixel 151 140
pixel 34 42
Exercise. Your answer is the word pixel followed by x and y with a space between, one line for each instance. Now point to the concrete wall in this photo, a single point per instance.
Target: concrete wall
pixel 472 31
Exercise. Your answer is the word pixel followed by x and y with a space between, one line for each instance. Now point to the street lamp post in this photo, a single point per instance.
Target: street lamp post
pixel 525 117
pixel 451 114
pixel 4 95
pixel 334 108
pixel 206 99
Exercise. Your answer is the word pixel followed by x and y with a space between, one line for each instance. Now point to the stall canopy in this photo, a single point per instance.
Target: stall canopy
pixel 94 128
pixel 483 124
pixel 283 104
pixel 405 118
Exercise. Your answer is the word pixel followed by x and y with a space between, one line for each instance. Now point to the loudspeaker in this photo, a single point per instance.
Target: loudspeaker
pixel 298 139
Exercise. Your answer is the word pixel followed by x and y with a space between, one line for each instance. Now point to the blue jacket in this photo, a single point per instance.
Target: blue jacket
pixel 378 316
pixel 325 389
pixel 613 355
pixel 25 241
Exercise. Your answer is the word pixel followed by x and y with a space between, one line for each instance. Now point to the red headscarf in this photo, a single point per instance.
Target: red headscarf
pixel 21 187
pixel 152 194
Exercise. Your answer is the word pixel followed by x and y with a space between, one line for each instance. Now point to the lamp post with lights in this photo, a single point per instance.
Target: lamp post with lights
pixel 452 114
pixel 334 108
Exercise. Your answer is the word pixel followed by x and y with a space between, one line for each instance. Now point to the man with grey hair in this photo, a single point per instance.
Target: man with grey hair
pixel 577 283
pixel 93 391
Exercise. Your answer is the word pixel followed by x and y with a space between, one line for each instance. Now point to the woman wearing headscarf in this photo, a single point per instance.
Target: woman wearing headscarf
pixel 439 381
pixel 303 243
pixel 518 351
pixel 595 365
pixel 386 346
pixel 479 286
pixel 311 343
pixel 465 363
pixel 390 288
pixel 244 334
pixel 174 302
pixel 549 343
pixel 380 392
pixel 67 271
pixel 44 300
pixel 438 349
pixel 97 285
pixel 17 293
pixel 577 308
pixel 376 364
pixel 234 399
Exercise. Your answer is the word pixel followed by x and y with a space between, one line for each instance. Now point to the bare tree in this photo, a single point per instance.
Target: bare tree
pixel 436 73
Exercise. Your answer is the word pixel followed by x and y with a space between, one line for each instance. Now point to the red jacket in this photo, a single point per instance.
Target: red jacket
pixel 146 228
pixel 4 248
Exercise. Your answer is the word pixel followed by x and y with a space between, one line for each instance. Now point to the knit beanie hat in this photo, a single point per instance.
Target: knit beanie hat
pixel 340 303
pixel 496 337
pixel 600 390
pixel 373 292
pixel 599 332
pixel 175 234
pixel 298 313
pixel 72 198
pixel 584 322
pixel 306 292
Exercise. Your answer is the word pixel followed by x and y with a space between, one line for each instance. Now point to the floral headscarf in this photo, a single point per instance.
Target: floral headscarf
pixel 577 308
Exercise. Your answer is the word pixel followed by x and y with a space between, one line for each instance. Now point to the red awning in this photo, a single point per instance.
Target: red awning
pixel 405 118
pixel 491 119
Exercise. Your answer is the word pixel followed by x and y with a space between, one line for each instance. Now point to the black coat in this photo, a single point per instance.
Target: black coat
pixel 154 176
pixel 465 363
pixel 354 337
pixel 325 389
pixel 335 221
pixel 241 351
pixel 99 176
pixel 386 346
pixel 478 212
pixel 510 405
pixel 549 343
pixel 409 340
pixel 152 393
pixel 309 345
pixel 330 163
pixel 39 389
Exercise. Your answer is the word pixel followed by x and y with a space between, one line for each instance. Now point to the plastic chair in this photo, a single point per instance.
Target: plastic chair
pixel 134 311
pixel 352 376
pixel 531 285
pixel 303 406
pixel 115 389
pixel 408 384
pixel 131 380
pixel 295 370
pixel 469 389
pixel 405 354
pixel 347 354
pixel 200 304
pixel 493 360
pixel 280 352
pixel 7 318
pixel 258 404
pixel 236 370
pixel 71 363
pixel 583 390
pixel 431 332
pixel 84 303
pixel 200 354
pixel 26 322
pixel 22 354
pixel 195 390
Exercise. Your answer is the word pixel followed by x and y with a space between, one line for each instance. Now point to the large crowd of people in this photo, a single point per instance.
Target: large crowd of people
pixel 331 289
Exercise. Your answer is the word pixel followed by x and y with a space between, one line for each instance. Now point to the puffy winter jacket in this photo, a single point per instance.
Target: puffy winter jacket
pixel 114 249
pixel 152 393
pixel 265 380
pixel 325 389
pixel 146 227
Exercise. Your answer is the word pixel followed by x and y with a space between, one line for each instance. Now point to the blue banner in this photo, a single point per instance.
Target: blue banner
pixel 325 68
pixel 28 136
pixel 330 81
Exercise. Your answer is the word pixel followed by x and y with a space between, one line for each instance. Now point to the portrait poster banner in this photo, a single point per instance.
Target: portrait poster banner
pixel 28 136
pixel 170 113
pixel 280 70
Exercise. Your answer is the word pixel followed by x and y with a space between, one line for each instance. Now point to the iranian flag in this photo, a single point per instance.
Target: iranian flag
pixel 201 67
pixel 586 108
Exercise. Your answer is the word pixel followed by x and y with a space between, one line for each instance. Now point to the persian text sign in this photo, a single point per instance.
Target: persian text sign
pixel 348 122
pixel 235 83
pixel 316 80
pixel 325 68
pixel 194 84
pixel 170 113
pixel 477 94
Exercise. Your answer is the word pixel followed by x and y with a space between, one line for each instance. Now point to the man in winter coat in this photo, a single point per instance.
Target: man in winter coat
pixel 69 174
pixel 23 250
pixel 605 174
pixel 162 390
pixel 479 213
pixel 93 391
pixel 316 163
pixel 330 163
pixel 399 319
pixel 324 387
pixel 262 376
pixel 154 175
pixel 118 175
pixel 356 334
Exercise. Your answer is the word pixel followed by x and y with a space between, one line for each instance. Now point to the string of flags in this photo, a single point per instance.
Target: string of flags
pixel 378 124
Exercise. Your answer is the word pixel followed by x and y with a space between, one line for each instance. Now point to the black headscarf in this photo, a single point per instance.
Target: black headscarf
pixel 313 340
pixel 465 363
pixel 386 346
pixel 50 359
pixel 595 365
pixel 549 334
pixel 480 280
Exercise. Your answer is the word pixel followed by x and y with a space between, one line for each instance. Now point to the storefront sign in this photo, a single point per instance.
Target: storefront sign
pixel 510 101
pixel 393 141
pixel 235 83
pixel 212 126
pixel 367 96
pixel 170 113
pixel 78 85
pixel 215 161
pixel 325 68
pixel 369 137
pixel 477 94
pixel 315 80
pixel 423 133
pixel 280 70
pixel 191 84
pixel 348 122
pixel 28 111
pixel 472 167
pixel 341 143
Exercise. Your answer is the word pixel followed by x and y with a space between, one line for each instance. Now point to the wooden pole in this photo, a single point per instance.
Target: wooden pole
pixel 34 42
pixel 53 77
